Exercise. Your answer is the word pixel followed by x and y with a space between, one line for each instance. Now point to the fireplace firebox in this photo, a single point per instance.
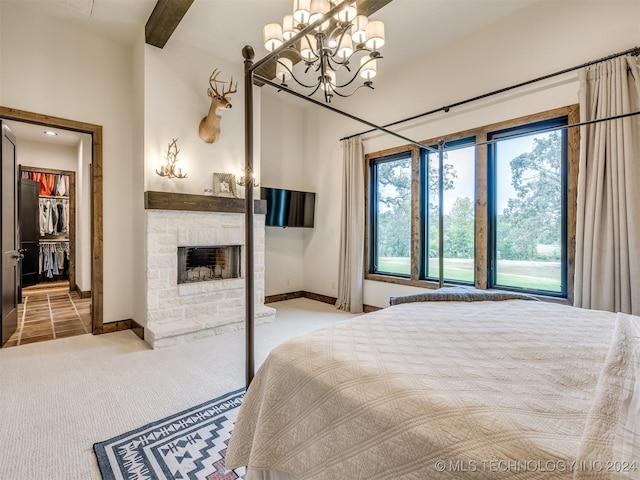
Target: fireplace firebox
pixel 202 264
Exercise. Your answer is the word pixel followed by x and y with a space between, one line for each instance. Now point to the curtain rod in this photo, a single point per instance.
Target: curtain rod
pixel 635 51
pixel 541 130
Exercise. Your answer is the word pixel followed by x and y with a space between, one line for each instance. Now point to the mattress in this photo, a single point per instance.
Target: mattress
pixel 492 389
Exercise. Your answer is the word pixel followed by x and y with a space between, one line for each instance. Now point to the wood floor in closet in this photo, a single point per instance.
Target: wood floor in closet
pixel 50 311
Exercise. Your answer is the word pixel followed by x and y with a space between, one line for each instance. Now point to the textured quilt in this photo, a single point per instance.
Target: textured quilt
pixel 429 391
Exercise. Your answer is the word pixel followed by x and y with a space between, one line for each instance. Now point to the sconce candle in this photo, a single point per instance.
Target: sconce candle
pixel 170 170
pixel 242 180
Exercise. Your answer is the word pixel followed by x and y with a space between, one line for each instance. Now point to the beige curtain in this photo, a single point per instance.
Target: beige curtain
pixel 608 212
pixel 350 276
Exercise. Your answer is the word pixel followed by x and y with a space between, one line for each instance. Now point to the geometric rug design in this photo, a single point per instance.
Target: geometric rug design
pixel 188 445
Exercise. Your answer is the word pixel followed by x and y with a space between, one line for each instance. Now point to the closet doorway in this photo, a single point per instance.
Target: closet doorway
pixel 47 221
pixel 70 279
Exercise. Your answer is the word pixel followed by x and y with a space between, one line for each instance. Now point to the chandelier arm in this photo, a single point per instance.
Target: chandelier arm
pixel 294 77
pixel 315 55
pixel 345 62
pixel 314 90
pixel 336 64
pixel 336 28
pixel 365 84
pixel 355 75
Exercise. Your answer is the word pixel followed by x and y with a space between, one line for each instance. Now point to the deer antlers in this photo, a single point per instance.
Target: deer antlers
pixel 209 129
pixel 214 89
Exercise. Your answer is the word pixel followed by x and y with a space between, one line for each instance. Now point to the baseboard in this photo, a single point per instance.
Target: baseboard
pixel 137 329
pixel 120 325
pixel 370 308
pixel 283 296
pixel 321 298
pixel 312 296
pixel 83 294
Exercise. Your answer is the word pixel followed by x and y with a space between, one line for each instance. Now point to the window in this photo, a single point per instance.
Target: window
pixel 391 215
pixel 528 207
pixel 459 160
pixel 508 208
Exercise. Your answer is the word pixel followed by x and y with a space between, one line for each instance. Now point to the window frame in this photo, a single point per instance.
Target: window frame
pixel 372 211
pixel 492 272
pixel 481 236
pixel 424 212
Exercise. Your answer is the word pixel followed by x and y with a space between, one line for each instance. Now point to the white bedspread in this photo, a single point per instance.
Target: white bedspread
pixel 428 391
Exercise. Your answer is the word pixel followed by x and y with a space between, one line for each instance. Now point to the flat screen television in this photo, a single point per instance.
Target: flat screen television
pixel 288 208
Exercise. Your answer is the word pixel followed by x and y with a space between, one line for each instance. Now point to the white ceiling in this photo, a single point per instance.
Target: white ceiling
pixel 223 27
pixel 412 27
pixel 35 133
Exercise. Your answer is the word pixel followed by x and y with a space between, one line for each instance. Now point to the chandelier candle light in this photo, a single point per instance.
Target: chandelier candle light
pixel 334 46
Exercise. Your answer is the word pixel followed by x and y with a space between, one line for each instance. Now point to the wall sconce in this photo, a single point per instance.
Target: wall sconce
pixel 170 170
pixel 242 180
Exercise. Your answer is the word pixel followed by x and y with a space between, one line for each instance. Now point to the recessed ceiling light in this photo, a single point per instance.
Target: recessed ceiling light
pixel 51 133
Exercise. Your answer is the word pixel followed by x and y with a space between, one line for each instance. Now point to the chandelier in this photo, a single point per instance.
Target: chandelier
pixel 334 46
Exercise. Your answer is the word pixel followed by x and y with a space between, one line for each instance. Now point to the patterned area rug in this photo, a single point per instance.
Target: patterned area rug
pixel 188 445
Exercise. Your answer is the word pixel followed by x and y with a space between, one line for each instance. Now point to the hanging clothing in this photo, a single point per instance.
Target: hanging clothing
pixel 61 188
pixel 54 258
pixel 54 216
pixel 61 220
pixel 53 221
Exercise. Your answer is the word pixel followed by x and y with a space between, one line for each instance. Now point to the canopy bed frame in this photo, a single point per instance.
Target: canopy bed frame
pixel 250 68
pixel 251 77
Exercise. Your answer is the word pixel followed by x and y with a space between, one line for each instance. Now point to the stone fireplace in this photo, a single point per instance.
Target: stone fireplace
pixel 210 245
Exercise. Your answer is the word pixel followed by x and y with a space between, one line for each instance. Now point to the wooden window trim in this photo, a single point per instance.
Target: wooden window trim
pixel 481 195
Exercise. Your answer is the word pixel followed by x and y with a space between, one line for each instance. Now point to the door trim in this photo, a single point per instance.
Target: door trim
pixel 97 268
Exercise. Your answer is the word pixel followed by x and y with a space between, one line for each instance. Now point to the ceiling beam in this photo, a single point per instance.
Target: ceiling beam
pixel 163 21
pixel 369 7
pixel 365 7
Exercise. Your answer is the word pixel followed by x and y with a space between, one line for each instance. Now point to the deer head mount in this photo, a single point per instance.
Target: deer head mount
pixel 210 125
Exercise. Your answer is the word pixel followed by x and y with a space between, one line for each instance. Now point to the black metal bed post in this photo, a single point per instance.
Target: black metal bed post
pixel 248 54
pixel 441 213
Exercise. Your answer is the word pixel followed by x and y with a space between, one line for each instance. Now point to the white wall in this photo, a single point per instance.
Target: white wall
pixel 138 269
pixel 283 166
pixel 176 100
pixel 47 155
pixel 54 67
pixel 547 37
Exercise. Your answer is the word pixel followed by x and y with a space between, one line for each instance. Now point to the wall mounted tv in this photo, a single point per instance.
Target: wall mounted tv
pixel 288 208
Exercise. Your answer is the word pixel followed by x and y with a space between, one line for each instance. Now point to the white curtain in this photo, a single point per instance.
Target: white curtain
pixel 607 275
pixel 350 275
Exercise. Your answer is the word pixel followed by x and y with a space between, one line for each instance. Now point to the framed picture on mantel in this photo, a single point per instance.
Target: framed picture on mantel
pixel 224 185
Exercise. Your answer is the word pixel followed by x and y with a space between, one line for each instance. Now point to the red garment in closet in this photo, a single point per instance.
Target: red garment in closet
pixel 47 183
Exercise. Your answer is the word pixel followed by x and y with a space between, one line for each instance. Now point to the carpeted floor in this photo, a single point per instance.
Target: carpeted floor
pixel 58 398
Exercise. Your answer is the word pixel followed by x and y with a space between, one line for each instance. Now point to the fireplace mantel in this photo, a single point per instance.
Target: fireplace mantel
pixel 198 203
